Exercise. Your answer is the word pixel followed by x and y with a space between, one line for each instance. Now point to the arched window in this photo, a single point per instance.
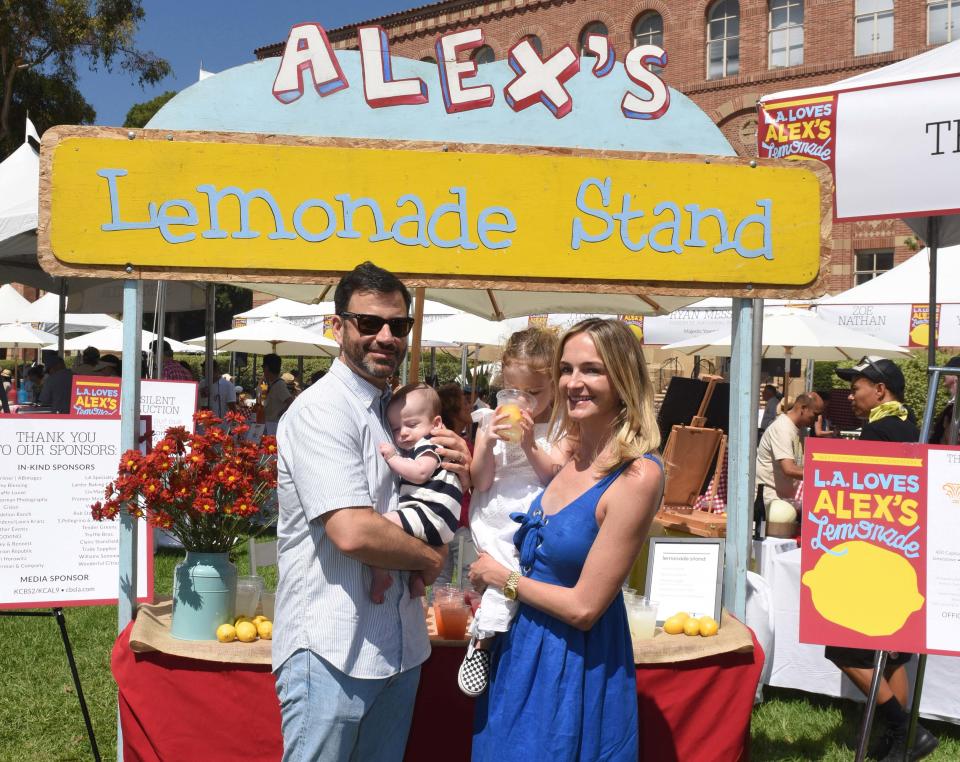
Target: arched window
pixel 535 42
pixel 723 39
pixel 943 21
pixel 648 30
pixel 786 33
pixel 483 55
pixel 429 59
pixel 594 27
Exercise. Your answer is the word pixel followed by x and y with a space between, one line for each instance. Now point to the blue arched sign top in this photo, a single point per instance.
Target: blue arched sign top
pixel 241 100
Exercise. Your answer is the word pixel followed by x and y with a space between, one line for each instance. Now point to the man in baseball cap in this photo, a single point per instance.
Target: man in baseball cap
pixel 876 394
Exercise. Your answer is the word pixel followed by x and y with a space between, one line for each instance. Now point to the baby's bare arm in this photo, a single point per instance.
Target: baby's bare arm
pixel 414 470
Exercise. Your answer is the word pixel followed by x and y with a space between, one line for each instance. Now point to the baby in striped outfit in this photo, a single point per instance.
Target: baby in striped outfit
pixel 429 506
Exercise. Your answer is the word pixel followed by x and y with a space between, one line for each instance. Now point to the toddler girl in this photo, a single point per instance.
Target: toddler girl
pixel 506 477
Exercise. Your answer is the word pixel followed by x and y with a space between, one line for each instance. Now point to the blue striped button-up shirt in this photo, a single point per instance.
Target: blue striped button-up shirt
pixel 329 459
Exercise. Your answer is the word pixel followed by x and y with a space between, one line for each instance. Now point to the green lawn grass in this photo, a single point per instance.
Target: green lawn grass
pixel 40 718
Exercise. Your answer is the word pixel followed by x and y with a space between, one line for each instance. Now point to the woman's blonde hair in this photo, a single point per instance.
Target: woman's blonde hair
pixel 534 347
pixel 635 430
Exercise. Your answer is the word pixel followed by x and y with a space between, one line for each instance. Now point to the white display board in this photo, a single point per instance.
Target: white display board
pixel 52 551
pixel 878 149
pixel 943 550
pixel 169 403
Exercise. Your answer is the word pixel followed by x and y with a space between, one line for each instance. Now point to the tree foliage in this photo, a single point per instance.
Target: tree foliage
pixel 141 113
pixel 41 44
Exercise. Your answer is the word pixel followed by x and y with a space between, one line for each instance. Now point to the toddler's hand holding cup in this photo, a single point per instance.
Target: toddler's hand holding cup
pixel 511 405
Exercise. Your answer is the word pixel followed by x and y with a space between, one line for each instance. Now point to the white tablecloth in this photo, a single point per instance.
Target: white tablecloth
pixel 802 666
pixel 765 553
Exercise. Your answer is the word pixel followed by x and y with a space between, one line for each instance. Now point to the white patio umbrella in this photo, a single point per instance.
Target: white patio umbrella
pixel 272 335
pixel 22 336
pixel 17 336
pixel 111 340
pixel 498 304
pixel 794 333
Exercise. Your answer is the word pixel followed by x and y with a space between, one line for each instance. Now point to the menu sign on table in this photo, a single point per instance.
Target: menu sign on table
pixel 685 574
pixel 52 551
pixel 880 565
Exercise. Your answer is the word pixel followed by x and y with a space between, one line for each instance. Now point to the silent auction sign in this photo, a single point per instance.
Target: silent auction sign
pixel 880 563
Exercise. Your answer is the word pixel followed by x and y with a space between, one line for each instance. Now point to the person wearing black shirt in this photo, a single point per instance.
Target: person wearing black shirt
pixel 876 394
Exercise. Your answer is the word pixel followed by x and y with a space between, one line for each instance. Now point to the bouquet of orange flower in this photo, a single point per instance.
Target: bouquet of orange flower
pixel 208 490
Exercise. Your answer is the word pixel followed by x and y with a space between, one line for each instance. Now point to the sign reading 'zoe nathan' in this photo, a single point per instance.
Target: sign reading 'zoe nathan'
pixel 252 207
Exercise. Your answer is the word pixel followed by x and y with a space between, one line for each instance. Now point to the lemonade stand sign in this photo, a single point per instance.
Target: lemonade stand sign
pixel 881 535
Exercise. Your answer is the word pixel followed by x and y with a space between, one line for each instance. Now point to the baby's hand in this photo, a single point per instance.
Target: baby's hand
pixel 387 450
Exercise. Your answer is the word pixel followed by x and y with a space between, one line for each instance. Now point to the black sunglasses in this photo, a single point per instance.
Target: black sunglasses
pixel 371 325
pixel 872 364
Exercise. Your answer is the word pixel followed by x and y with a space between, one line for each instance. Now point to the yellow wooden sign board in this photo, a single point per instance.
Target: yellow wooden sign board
pixel 257 208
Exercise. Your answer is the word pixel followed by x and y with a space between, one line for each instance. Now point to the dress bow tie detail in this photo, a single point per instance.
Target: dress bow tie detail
pixel 527 537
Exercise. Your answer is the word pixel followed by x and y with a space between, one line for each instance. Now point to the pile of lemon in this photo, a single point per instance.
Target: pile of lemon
pixel 246 630
pixel 705 626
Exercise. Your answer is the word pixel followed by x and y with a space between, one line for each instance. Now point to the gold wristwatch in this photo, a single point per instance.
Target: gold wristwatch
pixel 510 589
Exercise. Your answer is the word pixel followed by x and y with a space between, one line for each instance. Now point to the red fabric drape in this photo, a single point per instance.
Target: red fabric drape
pixel 176 708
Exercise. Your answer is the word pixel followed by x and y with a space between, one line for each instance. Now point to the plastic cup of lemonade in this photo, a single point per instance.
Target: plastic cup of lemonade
pixel 642 617
pixel 513 403
pixel 450 612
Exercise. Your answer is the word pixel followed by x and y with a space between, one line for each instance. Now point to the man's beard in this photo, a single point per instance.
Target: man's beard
pixel 357 356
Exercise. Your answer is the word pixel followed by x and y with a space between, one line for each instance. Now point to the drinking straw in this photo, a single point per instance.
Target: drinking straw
pixel 460 562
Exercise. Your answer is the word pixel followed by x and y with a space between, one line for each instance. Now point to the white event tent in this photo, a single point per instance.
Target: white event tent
pixel 883 307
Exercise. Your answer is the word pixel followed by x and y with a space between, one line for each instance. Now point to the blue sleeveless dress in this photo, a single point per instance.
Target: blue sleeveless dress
pixel 557 693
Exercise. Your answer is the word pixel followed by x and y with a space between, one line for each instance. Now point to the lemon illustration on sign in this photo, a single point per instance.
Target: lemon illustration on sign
pixel 864 588
pixel 920 334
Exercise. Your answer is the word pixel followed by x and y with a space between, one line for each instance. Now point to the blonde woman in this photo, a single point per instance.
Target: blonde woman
pixel 563 686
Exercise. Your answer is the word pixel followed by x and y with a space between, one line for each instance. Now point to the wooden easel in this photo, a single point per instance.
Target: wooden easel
pixel 689 453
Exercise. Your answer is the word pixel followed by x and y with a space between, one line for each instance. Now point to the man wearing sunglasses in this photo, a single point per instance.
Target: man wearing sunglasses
pixel 346 668
pixel 876 395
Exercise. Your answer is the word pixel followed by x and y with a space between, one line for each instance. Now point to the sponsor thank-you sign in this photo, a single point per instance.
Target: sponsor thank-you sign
pixel 881 528
pixel 52 551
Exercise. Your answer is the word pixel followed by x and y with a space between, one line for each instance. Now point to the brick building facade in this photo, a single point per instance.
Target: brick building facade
pixel 813 42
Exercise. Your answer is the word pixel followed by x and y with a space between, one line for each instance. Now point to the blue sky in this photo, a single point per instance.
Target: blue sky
pixel 221 34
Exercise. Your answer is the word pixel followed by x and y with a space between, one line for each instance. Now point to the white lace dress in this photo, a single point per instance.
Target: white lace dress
pixel 515 485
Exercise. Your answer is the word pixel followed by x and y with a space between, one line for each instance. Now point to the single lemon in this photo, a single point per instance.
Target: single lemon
pixel 259 618
pixel 673 625
pixel 708 626
pixel 226 633
pixel 864 587
pixel 637 331
pixel 691 626
pixel 246 632
pixel 265 629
